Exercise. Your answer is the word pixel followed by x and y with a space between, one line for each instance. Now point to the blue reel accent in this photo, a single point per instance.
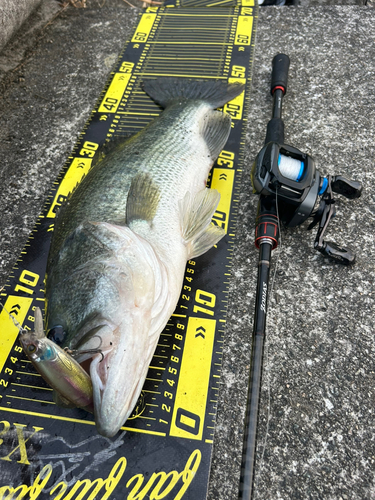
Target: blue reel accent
pixel 324 186
pixel 300 172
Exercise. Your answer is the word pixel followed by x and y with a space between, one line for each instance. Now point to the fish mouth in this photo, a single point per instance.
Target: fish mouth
pixel 118 372
pixel 112 405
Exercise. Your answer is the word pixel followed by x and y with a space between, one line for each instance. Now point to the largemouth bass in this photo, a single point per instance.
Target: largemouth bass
pixel 122 240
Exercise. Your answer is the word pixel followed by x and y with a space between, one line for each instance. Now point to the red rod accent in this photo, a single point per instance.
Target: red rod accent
pixel 278 87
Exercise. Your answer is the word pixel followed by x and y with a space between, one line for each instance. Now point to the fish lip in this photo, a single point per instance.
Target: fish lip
pixel 110 428
pixel 113 406
pixel 118 378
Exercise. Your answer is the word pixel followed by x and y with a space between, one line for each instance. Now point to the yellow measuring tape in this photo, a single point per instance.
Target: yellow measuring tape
pixel 171 429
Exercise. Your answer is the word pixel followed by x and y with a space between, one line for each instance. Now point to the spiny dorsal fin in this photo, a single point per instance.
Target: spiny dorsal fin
pixel 143 199
pixel 196 214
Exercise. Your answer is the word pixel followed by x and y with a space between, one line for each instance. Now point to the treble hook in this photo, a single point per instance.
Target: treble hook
pixel 77 352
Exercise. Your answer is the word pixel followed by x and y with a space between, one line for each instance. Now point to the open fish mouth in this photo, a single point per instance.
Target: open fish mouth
pixel 117 370
pixel 112 403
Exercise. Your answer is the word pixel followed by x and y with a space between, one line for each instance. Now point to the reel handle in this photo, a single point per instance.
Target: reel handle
pixel 346 187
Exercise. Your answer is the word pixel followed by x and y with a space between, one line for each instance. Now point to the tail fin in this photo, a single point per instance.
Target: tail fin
pixel 214 92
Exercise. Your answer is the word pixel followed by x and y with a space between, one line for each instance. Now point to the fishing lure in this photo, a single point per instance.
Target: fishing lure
pixel 71 383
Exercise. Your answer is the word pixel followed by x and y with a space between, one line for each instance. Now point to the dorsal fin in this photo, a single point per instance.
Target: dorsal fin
pixel 214 92
pixel 216 130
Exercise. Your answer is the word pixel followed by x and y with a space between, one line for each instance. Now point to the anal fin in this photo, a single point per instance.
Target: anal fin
pixel 196 214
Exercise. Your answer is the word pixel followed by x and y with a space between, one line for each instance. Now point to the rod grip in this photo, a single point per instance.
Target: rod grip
pixel 267 222
pixel 275 131
pixel 280 68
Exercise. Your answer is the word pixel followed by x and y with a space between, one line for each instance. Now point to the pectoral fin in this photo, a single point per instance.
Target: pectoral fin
pixel 196 214
pixel 143 199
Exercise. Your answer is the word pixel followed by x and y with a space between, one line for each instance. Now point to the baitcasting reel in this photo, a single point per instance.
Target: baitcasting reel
pixel 290 176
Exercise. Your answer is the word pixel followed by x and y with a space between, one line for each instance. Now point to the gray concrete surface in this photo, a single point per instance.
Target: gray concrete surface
pixel 321 3
pixel 24 32
pixel 12 15
pixel 316 433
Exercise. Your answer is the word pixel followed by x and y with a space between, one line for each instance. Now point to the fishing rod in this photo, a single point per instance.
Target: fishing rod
pixel 291 191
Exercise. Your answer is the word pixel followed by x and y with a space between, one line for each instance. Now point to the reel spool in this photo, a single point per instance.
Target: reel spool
pixel 290 176
pixel 290 167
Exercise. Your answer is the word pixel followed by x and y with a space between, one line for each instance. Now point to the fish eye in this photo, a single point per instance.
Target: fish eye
pixel 57 334
pixel 31 348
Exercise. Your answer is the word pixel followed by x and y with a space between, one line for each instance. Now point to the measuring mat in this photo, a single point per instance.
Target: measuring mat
pixel 164 449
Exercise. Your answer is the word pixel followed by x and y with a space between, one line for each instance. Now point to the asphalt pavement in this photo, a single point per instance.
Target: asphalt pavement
pixel 316 427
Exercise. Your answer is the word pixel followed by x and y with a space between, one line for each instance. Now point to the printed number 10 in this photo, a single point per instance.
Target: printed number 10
pixel 28 278
pixel 207 299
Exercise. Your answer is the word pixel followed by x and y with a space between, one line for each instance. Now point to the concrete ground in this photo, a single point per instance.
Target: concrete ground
pixel 316 431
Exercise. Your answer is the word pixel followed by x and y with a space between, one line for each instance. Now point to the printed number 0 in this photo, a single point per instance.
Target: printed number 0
pixel 188 421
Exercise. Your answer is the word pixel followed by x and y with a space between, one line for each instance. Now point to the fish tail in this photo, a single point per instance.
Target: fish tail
pixel 214 92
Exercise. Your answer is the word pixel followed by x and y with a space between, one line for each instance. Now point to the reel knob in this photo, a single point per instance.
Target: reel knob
pixel 346 187
pixel 342 255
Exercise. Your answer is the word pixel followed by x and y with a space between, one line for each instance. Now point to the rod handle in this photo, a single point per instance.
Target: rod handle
pixel 275 131
pixel 280 68
pixel 267 222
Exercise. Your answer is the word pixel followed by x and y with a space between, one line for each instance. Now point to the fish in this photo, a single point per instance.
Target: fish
pixel 122 239
pixel 71 383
